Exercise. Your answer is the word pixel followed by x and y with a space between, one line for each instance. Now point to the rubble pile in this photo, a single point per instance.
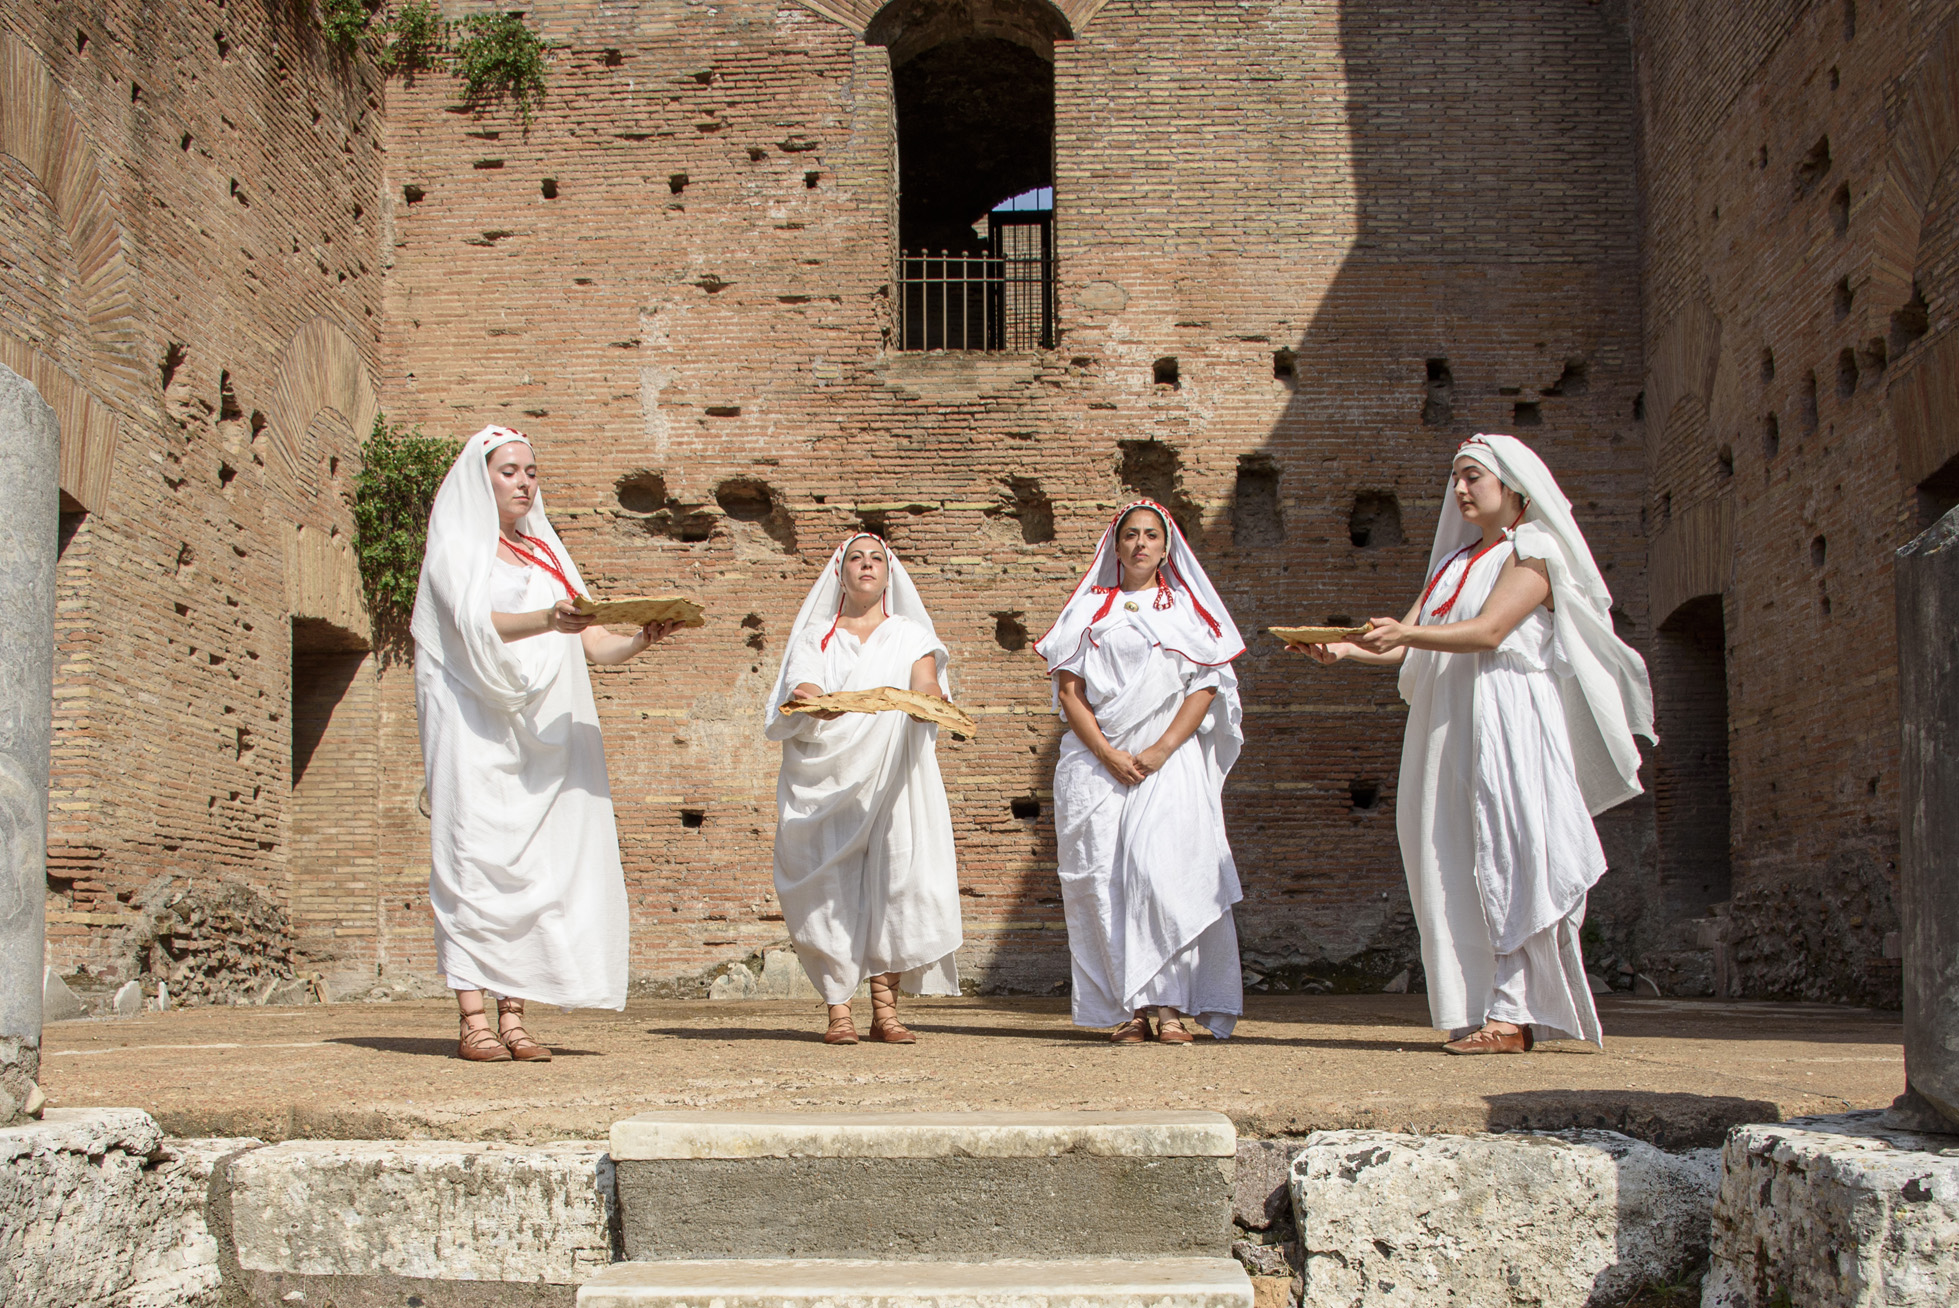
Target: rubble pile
pixel 217 944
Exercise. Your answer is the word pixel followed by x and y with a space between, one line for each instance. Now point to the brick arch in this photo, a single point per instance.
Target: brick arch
pixel 320 370
pixel 857 14
pixel 1925 145
pixel 38 128
pixel 1685 355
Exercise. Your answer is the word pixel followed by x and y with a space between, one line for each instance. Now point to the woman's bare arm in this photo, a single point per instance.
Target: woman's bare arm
pixel 1347 649
pixel 607 650
pixel 925 677
pixel 1520 587
pixel 562 616
pixel 1189 716
pixel 1081 720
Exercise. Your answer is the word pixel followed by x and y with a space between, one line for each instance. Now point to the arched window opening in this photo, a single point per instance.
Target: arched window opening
pixel 1690 792
pixel 974 84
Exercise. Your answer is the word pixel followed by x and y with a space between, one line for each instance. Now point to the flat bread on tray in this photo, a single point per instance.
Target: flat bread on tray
pixel 639 611
pixel 1315 635
pixel 879 699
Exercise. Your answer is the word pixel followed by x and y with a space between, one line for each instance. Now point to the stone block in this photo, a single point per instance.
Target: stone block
pixel 735 983
pixel 58 1002
pixel 1558 1220
pixel 856 1283
pixel 911 1186
pixel 101 1209
pixel 128 1000
pixel 1261 1194
pixel 1835 1212
pixel 436 1210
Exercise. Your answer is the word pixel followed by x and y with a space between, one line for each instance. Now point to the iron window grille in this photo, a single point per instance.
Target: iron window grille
pixel 998 298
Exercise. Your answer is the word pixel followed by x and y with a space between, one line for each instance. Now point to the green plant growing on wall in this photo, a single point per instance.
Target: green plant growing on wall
pixel 345 22
pixel 400 473
pixel 416 38
pixel 499 57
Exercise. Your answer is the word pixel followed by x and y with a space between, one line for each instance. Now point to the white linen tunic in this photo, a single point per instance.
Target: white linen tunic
pixel 1147 876
pixel 1499 848
pixel 865 868
pixel 524 880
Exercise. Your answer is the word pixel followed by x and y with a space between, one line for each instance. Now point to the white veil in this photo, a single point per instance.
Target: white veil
pixel 824 604
pixel 1614 700
pixel 451 623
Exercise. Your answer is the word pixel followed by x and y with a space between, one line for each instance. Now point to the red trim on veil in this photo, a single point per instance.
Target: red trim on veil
pixel 884 600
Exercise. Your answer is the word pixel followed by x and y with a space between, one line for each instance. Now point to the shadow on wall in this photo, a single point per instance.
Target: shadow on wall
pixel 1492 271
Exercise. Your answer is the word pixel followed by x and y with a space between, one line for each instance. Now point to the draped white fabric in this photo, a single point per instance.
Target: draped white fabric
pixel 1147 876
pixel 865 868
pixel 525 882
pixel 1496 834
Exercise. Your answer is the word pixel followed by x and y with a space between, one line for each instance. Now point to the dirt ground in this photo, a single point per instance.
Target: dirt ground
pixel 1676 1072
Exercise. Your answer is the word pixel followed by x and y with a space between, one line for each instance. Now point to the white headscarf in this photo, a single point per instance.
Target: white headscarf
pixel 824 605
pixel 451 624
pixel 1186 616
pixel 1614 700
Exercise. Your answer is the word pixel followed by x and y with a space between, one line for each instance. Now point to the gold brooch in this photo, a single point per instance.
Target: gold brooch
pixel 1130 605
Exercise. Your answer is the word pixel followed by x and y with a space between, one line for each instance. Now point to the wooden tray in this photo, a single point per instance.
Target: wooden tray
pixel 639 611
pixel 1315 635
pixel 922 708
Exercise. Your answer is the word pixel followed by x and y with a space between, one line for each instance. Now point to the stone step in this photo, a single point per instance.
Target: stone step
pixel 923 1186
pixel 862 1283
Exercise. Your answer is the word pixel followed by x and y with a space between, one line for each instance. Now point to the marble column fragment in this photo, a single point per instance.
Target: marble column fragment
pixel 1928 693
pixel 30 521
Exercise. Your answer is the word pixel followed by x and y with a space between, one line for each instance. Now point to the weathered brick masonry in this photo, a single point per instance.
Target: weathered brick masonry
pixel 1354 233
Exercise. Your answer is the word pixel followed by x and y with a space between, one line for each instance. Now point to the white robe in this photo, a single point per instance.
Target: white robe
pixel 524 878
pixel 1496 838
pixel 865 869
pixel 1147 877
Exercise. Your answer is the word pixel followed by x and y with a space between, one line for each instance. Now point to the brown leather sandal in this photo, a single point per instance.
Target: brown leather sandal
pixel 479 1044
pixel 885 1026
pixel 842 1031
pixel 517 1040
pixel 1172 1031
pixel 890 1031
pixel 1135 1031
pixel 1486 1041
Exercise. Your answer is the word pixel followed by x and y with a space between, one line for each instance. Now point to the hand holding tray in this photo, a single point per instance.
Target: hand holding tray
pixel 921 708
pixel 1315 635
pixel 639 611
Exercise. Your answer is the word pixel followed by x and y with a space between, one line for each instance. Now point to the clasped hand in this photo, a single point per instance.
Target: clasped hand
pixel 1133 769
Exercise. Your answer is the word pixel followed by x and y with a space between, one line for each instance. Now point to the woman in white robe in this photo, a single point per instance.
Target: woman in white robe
pixel 1141 662
pixel 864 864
pixel 1522 707
pixel 524 877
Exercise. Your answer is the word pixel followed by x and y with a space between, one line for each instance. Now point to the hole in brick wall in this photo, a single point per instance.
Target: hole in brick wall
pixel 750 499
pixel 1814 167
pixel 1771 436
pixel 549 187
pixel 1666 506
pixel 1164 372
pixel 1363 795
pixel 1846 373
pixel 1768 364
pixel 1849 20
pixel 756 154
pixel 1026 808
pixel 641 492
pixel 1154 470
pixel 238 194
pixel 173 358
pixel 1807 404
pixel 705 76
pixel 72 516
pixel 1010 630
pixel 677 183
pixel 693 818
pixel 1826 606
pixel 1639 407
pixel 1688 665
pixel 1256 517
pixel 1724 460
pixel 724 411
pixel 412 193
pixel 1819 550
pixel 612 58
pixel 1836 78
pixel 1841 298
pixel 1840 209
pixel 1033 509
pixel 1526 413
pixel 1375 520
pixel 1911 321
pixel 1576 379
pixel 228 409
pixel 1438 401
pixel 1284 364
pixel 487 165
pixel 1873 359
pixel 183 142
pixel 875 521
pixel 81 40
pixel 757 638
pixel 225 473
pixel 224 46
pixel 1938 494
pixel 810 180
pixel 135 93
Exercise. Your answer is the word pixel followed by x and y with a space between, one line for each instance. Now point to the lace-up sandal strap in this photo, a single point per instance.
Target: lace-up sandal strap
pixel 842 1031
pixel 517 1040
pixel 479 1044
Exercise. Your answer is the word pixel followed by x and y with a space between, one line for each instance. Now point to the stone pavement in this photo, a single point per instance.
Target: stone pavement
pixel 1677 1073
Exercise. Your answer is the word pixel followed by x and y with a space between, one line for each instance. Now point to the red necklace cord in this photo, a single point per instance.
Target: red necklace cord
pixel 1442 609
pixel 549 562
